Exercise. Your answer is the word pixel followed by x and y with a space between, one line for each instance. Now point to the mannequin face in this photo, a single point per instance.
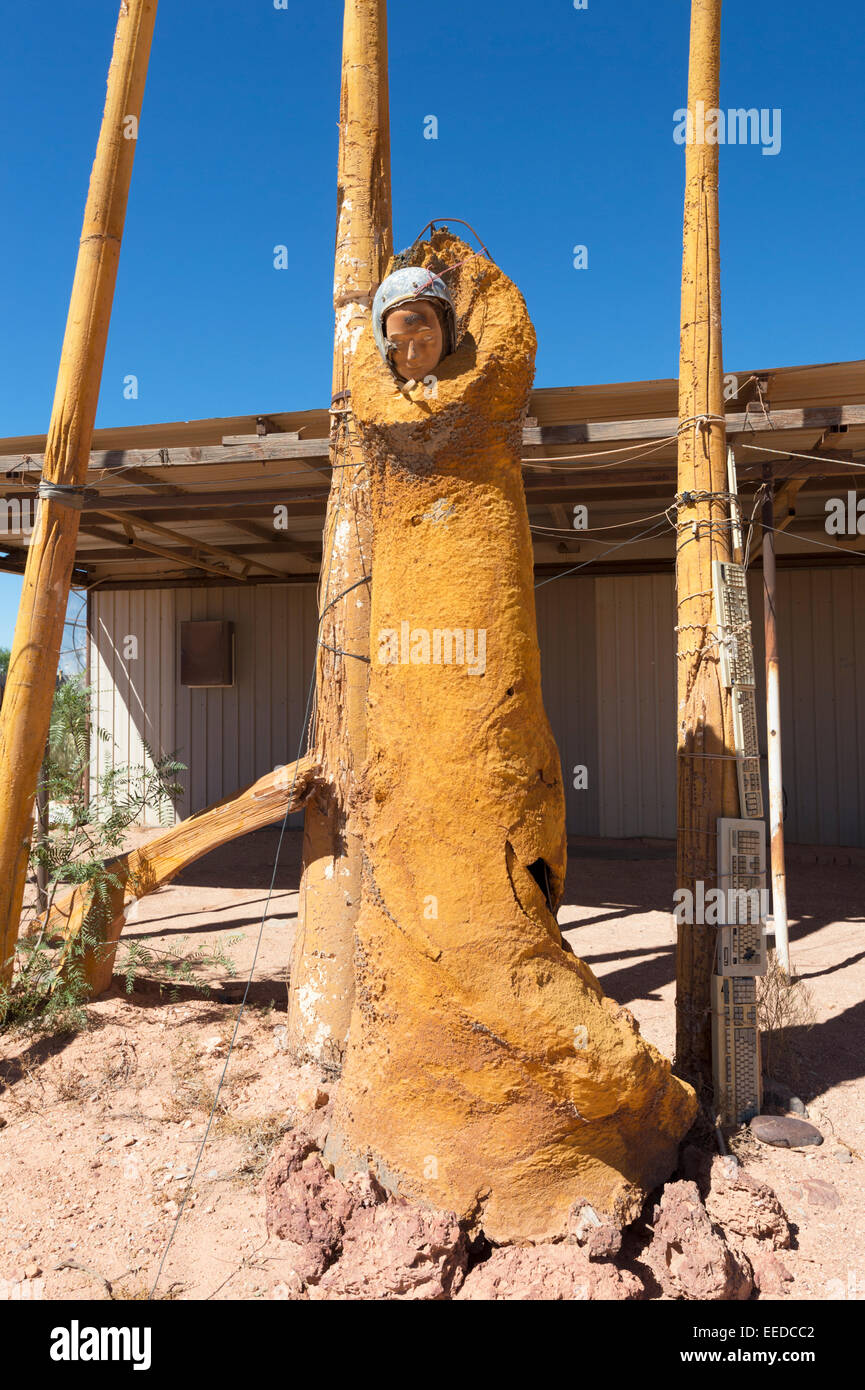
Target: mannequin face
pixel 416 333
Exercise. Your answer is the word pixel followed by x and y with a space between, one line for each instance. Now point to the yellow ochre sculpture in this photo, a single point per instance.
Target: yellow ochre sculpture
pixel 486 1072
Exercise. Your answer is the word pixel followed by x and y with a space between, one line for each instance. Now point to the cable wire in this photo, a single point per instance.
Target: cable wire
pixel 653 531
pixel 304 734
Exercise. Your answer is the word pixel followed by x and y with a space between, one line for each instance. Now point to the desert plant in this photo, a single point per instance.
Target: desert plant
pixel 90 819
pixel 785 1008
pixel 174 968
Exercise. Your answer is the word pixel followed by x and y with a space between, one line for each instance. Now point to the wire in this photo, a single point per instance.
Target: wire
pixel 652 530
pixel 642 452
pixel 462 223
pixel 304 734
pixel 789 454
pixel 809 540
pixel 759 496
pixel 241 1010
pixel 577 531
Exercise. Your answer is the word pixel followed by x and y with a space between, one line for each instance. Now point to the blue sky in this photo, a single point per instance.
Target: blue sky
pixel 554 129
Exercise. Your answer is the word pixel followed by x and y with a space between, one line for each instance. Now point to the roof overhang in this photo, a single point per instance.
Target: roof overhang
pixel 241 500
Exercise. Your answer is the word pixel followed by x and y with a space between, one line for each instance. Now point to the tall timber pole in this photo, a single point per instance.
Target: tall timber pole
pixel 706 783
pixel 42 611
pixel 322 971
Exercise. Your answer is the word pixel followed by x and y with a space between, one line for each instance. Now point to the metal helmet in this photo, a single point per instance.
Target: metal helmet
pixel 412 282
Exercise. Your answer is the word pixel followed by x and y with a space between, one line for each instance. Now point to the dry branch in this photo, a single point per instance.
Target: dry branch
pixel 143 870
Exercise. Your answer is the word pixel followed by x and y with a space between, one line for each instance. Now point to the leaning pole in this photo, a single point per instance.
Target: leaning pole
pixel 42 611
pixel 322 979
pixel 707 785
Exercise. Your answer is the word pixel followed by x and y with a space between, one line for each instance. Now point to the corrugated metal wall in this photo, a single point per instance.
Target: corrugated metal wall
pixel 132 663
pixel 566 632
pixel 227 738
pixel 821 637
pixel 608 679
pixel 636 705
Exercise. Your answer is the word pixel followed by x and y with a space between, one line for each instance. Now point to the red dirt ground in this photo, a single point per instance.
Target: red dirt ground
pixel 99 1129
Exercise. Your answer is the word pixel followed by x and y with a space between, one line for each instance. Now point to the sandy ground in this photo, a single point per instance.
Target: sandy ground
pixel 99 1131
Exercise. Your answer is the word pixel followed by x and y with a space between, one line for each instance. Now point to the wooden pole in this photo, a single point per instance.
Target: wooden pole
pixel 39 629
pixel 707 786
pixel 322 972
pixel 773 727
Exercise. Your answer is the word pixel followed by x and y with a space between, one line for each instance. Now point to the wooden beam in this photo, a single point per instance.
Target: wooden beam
pixel 142 871
pixel 277 543
pixel 271 448
pixel 737 422
pixel 15 562
pixel 120 554
pixel 194 580
pixel 820 559
pixel 278 447
pixel 145 479
pixel 131 520
pixel 148 548
pixel 244 511
pixel 214 501
pixel 134 545
pixel 38 636
pixel 783 509
pixel 234 441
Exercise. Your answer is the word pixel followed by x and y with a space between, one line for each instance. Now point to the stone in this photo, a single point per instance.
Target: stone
pixel 310 1098
pixel 600 1239
pixel 817 1193
pixel 581 1220
pixel 843 1156
pixel 364 1190
pixel 770 1275
pixel 784 1131
pixel 603 1243
pixel 32 1271
pixel 305 1205
pixel 393 1251
pixel 547 1273
pixel 689 1254
pixel 485 1072
pixel 289 1289
pixel 740 1204
pixel 797 1106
